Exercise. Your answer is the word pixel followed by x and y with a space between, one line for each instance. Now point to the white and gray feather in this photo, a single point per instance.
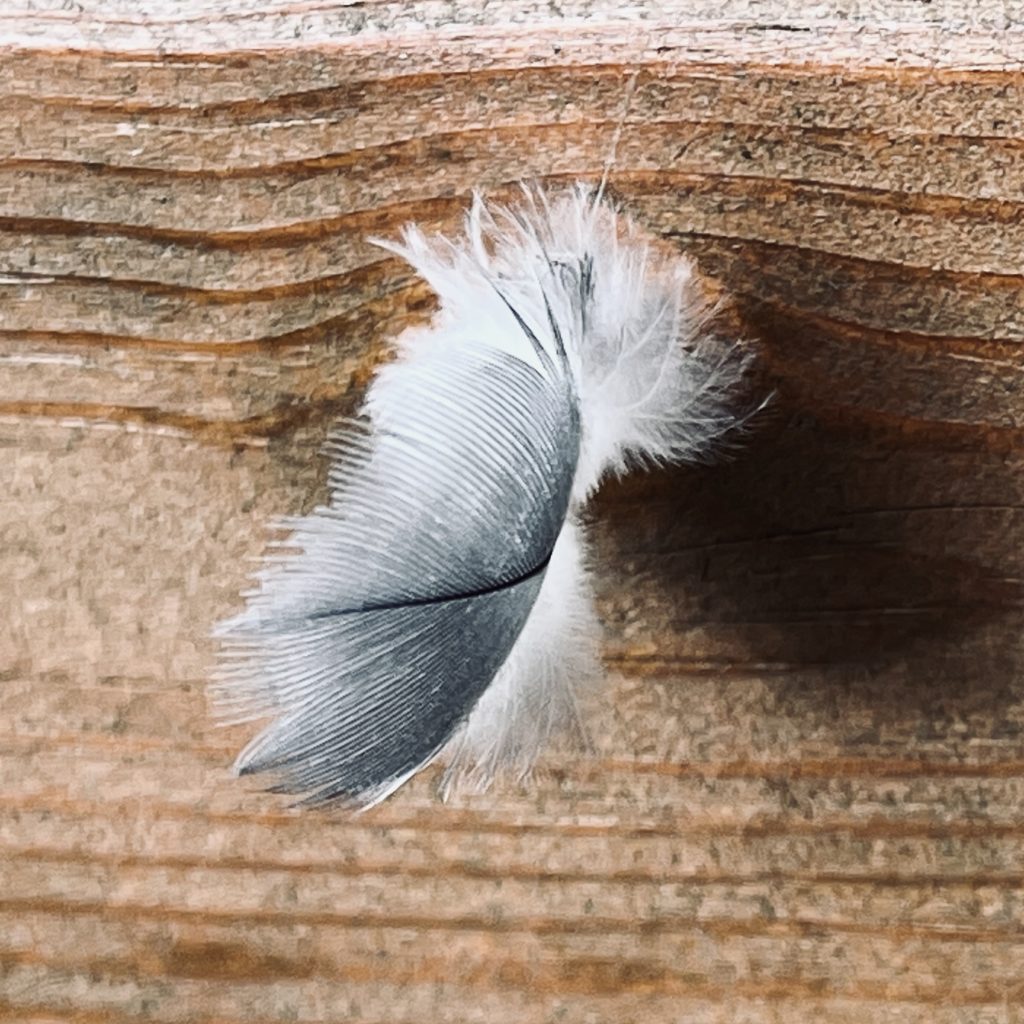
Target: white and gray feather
pixel 440 600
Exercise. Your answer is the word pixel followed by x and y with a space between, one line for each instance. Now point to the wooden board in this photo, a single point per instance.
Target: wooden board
pixel 806 798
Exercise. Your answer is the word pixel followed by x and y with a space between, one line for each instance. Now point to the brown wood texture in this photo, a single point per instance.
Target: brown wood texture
pixel 805 802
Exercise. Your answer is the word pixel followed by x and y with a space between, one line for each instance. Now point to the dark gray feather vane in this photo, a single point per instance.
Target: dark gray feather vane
pixel 373 640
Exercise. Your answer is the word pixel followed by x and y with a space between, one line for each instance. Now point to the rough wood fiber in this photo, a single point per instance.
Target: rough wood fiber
pixel 806 799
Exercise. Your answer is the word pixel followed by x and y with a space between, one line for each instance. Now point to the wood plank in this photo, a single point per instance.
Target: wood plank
pixel 804 801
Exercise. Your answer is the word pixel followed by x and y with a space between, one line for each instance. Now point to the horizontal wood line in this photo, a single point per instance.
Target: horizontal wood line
pixel 381 271
pixel 358 279
pixel 327 162
pixel 47 1013
pixel 217 17
pixel 865 616
pixel 938 205
pixel 120 742
pixel 304 98
pixel 911 430
pixel 441 819
pixel 351 86
pixel 414 296
pixel 837 534
pixel 379 219
pixel 851 331
pixel 595 978
pixel 653 666
pixel 388 217
pixel 214 432
pixel 38 1012
pixel 658 60
pixel 307 288
pixel 667 72
pixel 344 224
pixel 795 1003
pixel 300 169
pixel 838 768
pixel 515 872
pixel 215 349
pixel 936 507
pixel 916 273
pixel 619 656
pixel 384 269
pixel 598 38
pixel 817 768
pixel 721 928
pixel 870 197
pixel 638 665
pixel 259 238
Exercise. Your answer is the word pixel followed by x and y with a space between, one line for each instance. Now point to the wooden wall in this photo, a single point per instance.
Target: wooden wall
pixel 807 797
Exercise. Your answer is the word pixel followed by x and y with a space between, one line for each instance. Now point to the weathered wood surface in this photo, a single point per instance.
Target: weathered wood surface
pixel 806 801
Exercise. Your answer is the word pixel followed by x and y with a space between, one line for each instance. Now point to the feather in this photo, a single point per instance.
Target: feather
pixel 440 598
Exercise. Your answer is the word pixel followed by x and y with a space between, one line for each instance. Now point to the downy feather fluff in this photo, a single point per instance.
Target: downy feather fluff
pixel 440 599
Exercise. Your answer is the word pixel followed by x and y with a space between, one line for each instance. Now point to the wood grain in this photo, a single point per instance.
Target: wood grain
pixel 805 801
